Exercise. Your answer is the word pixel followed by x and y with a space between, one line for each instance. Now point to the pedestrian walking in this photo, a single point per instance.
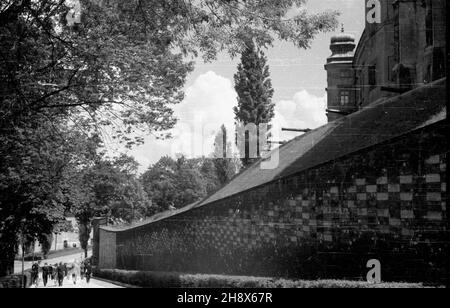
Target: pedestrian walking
pixel 75 271
pixel 60 274
pixel 54 274
pixel 82 269
pixel 45 274
pixel 35 274
pixel 88 268
pixel 50 272
pixel 69 267
pixel 39 270
pixel 40 275
pixel 65 270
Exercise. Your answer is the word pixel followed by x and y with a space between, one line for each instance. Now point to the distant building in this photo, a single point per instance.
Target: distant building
pixel 61 240
pixel 341 77
pixel 67 239
pixel 405 51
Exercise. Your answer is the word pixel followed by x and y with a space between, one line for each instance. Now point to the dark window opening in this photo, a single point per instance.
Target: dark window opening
pixel 372 75
pixel 439 68
pixel 391 64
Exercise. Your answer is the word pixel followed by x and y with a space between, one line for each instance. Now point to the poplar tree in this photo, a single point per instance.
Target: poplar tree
pixel 254 88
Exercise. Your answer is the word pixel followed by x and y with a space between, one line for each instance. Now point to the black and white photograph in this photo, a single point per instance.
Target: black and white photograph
pixel 210 145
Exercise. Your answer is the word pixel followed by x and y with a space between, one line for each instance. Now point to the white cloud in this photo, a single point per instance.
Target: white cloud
pixel 207 105
pixel 305 110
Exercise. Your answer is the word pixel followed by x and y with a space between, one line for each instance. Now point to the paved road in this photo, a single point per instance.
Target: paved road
pixel 68 283
pixel 66 259
pixel 81 284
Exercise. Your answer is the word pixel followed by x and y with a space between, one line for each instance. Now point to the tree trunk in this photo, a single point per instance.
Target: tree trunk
pixel 7 255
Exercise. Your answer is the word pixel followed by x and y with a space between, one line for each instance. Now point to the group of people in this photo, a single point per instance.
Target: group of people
pixel 57 272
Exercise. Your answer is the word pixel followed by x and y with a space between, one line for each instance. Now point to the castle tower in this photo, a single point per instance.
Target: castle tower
pixel 341 90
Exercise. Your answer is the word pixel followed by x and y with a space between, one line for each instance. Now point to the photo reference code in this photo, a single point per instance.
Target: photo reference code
pixel 246 298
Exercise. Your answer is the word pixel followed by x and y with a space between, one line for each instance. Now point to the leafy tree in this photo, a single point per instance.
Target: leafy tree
pixel 190 182
pixel 209 173
pixel 46 244
pixel 122 77
pixel 63 226
pixel 117 66
pixel 255 92
pixel 84 233
pixel 133 203
pixel 207 26
pixel 111 189
pixel 159 182
pixel 36 180
pixel 175 183
pixel 116 73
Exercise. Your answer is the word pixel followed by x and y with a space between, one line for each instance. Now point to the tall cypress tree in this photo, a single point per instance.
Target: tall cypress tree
pixel 255 92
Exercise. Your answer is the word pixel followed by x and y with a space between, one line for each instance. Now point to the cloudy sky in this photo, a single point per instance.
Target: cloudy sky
pixel 298 77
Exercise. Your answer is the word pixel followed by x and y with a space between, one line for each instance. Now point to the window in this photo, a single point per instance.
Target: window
pixel 345 98
pixel 391 64
pixel 372 75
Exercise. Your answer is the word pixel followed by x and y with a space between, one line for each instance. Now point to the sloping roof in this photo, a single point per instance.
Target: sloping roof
pixel 374 124
pixel 154 218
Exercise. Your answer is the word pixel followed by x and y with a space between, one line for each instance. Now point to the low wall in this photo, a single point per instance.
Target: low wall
pixel 387 202
pixel 16 281
pixel 107 249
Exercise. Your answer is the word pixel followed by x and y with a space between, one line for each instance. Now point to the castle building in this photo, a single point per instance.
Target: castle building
pixel 404 51
pixel 341 77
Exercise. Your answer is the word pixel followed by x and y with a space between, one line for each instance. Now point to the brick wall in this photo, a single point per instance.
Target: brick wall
pixel 387 202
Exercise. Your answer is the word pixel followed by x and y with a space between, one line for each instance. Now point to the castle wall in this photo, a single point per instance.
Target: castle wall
pixel 387 202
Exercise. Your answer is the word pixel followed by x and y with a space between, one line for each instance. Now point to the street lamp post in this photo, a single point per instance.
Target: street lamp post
pixel 23 262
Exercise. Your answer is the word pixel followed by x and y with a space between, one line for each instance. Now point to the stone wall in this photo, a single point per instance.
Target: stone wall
pixel 16 281
pixel 387 202
pixel 107 249
pixel 96 223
